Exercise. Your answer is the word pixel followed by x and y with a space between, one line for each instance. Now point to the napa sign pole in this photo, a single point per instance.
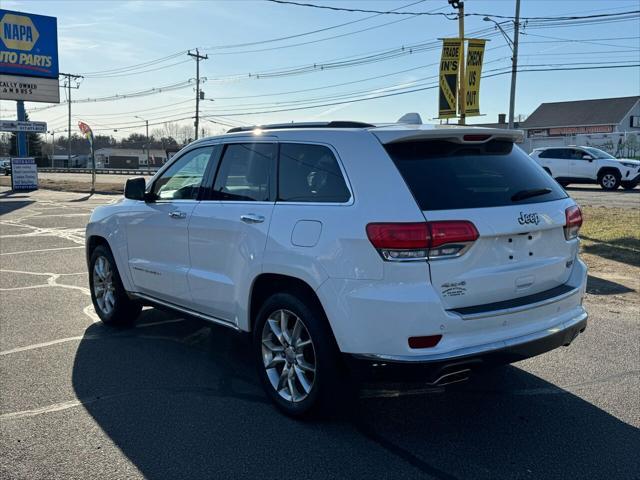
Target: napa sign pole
pixel 28 63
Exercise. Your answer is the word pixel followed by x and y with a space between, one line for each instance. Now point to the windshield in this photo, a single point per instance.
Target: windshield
pixel 445 175
pixel 597 153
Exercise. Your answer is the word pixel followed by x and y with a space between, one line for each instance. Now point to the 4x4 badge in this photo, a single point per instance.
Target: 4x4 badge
pixel 526 218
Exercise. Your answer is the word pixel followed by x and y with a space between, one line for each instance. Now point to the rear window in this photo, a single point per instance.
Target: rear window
pixel 444 175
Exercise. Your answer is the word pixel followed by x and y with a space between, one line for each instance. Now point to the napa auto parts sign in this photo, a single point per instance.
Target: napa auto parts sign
pixel 28 45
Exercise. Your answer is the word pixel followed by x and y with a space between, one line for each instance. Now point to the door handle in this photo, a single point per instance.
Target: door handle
pixel 178 214
pixel 252 218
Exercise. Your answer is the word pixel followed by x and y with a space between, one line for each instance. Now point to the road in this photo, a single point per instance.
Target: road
pixel 591 195
pixel 178 398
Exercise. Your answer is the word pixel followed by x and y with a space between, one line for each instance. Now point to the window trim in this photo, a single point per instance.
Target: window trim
pixel 345 177
pixel 208 196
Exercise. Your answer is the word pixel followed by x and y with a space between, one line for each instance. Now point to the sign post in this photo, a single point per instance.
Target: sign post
pixel 24 174
pixel 28 64
pixel 475 56
pixel 17 126
pixel 88 133
pixel 459 87
pixel 448 85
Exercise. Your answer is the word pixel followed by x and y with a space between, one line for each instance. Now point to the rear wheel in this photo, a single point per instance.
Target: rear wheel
pixel 629 185
pixel 296 355
pixel 110 300
pixel 609 180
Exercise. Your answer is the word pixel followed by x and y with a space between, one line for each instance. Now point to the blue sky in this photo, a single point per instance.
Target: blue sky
pixel 105 35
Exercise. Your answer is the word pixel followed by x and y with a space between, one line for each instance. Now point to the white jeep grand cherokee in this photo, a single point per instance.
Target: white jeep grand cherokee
pixel 588 165
pixel 347 247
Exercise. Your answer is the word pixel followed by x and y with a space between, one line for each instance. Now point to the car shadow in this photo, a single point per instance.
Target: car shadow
pixel 181 399
pixel 600 286
pixel 8 206
pixel 623 250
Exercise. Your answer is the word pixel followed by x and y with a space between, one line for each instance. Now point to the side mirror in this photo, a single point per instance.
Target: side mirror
pixel 587 157
pixel 134 188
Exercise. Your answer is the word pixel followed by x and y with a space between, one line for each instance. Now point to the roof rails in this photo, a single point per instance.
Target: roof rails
pixel 273 126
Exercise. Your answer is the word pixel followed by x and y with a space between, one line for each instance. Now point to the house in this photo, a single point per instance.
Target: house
pixel 612 124
pixel 112 157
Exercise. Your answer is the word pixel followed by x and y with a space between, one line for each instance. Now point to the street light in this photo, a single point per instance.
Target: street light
pixel 53 144
pixel 147 123
pixel 513 45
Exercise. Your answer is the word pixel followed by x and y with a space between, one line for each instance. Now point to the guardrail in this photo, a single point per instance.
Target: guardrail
pixel 109 171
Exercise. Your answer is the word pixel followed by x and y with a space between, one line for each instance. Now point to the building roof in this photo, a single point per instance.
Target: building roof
pixel 602 111
pixel 516 125
pixel 117 151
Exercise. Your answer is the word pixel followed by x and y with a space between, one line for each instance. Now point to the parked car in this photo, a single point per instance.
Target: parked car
pixel 588 165
pixel 394 252
pixel 5 167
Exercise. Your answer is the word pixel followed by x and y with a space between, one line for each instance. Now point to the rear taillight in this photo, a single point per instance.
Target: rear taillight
pixel 573 216
pixel 400 241
pixel 451 238
pixel 419 241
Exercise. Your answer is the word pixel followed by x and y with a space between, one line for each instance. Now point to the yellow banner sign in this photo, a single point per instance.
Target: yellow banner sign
pixel 449 66
pixel 475 56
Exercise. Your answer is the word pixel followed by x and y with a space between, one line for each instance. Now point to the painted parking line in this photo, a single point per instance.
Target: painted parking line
pixel 42 250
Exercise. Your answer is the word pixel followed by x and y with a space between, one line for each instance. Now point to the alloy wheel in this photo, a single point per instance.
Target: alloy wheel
pixel 288 355
pixel 609 180
pixel 103 287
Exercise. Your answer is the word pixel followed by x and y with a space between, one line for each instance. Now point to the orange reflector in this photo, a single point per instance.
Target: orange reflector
pixel 424 342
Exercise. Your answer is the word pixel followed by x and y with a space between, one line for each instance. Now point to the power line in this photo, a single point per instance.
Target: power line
pixel 303 34
pixel 489 74
pixel 333 37
pixel 449 16
pixel 142 93
pixel 136 66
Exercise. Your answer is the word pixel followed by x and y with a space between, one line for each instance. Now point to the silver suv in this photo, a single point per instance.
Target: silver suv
pixel 348 247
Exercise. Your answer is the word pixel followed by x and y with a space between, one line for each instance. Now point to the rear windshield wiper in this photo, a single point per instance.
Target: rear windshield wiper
pixel 534 192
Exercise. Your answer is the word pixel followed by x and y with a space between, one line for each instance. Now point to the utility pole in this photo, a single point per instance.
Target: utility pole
pixel 147 124
pixel 514 65
pixel 459 5
pixel 53 145
pixel 198 57
pixel 69 77
pixel 513 45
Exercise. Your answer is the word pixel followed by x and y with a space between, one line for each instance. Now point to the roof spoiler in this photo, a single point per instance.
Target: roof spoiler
pixel 410 119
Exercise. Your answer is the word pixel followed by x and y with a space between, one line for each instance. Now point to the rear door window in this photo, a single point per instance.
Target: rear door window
pixel 444 175
pixel 552 153
pixel 246 173
pixel 310 173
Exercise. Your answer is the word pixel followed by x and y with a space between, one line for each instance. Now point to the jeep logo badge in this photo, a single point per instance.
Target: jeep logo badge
pixel 526 218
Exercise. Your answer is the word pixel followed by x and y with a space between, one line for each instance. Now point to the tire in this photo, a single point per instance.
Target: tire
pixel 564 184
pixel 609 180
pixel 116 308
pixel 314 381
pixel 629 185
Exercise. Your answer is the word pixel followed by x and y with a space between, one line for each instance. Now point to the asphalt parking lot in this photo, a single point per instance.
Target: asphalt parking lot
pixel 178 398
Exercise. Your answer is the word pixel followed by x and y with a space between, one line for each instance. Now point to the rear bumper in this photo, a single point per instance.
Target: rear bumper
pixel 439 368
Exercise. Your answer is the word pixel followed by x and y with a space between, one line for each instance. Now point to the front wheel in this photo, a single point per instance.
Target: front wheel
pixel 609 180
pixel 110 300
pixel 296 355
pixel 629 185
